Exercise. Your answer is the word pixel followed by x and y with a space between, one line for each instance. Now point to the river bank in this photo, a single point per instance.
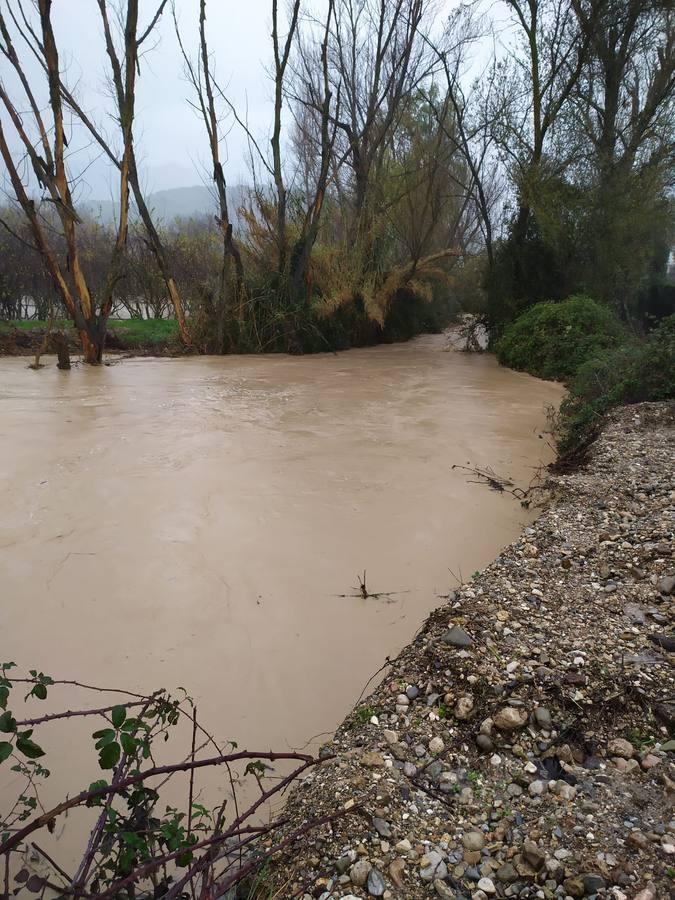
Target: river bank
pixel 521 745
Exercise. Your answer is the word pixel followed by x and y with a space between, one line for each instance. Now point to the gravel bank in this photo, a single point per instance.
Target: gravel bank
pixel 521 745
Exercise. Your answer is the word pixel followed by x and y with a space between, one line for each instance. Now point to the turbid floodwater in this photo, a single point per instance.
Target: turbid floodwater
pixel 195 522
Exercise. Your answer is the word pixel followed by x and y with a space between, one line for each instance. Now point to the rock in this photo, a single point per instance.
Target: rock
pixel 443 890
pixel 381 827
pixel 412 692
pixel 649 761
pixel 464 707
pixel 592 883
pixel 487 885
pixel 533 855
pixel 359 872
pixel 564 790
pixel 343 863
pixel 543 718
pixel 375 884
pixel 433 866
pixel 537 788
pixel 574 887
pixel 484 743
pixel 436 745
pixel 507 874
pixel 666 585
pixel 666 641
pixel 372 759
pixel 396 869
pixel 621 748
pixel 510 719
pixel 404 846
pixel 473 840
pixel 648 893
pixel 391 737
pixel 457 637
pixel 637 839
pixel 402 700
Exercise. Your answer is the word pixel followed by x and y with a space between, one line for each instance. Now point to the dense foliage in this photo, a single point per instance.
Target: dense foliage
pixel 552 340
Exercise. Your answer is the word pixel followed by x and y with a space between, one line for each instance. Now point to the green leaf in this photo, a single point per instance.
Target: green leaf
pixel 118 716
pixel 29 748
pixel 7 723
pixel 109 756
pixel 105 736
pixel 129 743
pixel 39 691
pixel 4 694
pixel 5 750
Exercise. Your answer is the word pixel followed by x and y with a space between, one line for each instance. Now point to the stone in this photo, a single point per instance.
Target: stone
pixel 666 585
pixel 381 826
pixel 574 887
pixel 487 885
pixel 402 700
pixel 507 874
pixel 464 707
pixel 592 883
pixel 412 692
pixel 543 718
pixel 484 743
pixel 372 759
pixel 648 893
pixel 391 737
pixel 473 840
pixel 621 748
pixel 537 788
pixel 359 872
pixel 433 866
pixel 404 846
pixel 396 869
pixel 564 790
pixel 375 883
pixel 510 719
pixel 457 637
pixel 436 745
pixel 443 890
pixel 533 855
pixel 649 761
pixel 666 641
pixel 343 863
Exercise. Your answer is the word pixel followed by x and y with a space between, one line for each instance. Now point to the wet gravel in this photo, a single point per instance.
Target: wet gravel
pixel 522 744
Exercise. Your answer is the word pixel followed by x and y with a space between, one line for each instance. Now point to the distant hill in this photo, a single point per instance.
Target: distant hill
pixel 181 202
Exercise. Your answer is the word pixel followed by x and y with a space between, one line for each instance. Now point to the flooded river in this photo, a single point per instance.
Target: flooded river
pixel 194 522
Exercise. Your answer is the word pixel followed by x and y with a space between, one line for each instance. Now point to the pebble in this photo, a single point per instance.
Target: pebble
pixel 375 883
pixel 621 748
pixel 487 885
pixel 473 840
pixel 382 827
pixel 432 866
pixel 359 872
pixel 457 637
pixel 436 745
pixel 510 719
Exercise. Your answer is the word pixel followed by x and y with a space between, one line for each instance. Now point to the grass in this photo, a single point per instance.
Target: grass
pixel 133 333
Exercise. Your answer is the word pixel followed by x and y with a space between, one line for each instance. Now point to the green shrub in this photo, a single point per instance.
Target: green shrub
pixel 634 372
pixel 552 340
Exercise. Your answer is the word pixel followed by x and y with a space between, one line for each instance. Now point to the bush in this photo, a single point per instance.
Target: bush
pixel 552 340
pixel 631 373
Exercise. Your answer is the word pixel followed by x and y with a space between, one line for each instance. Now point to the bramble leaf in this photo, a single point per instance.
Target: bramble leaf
pixel 118 716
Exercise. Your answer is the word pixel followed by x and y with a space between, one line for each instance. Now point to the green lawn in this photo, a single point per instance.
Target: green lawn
pixel 132 332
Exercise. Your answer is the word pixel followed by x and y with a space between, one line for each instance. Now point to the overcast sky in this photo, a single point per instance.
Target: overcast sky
pixel 170 139
pixel 169 136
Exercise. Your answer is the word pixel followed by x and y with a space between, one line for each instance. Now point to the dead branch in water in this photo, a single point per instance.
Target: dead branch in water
pixel 365 594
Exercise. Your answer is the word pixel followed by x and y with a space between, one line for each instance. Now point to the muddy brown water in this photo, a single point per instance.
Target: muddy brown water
pixel 193 522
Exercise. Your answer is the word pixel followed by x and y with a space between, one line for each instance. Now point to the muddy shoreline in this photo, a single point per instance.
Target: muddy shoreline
pixel 521 744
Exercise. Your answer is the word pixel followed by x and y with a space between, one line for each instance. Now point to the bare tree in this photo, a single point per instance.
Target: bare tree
pixel 50 171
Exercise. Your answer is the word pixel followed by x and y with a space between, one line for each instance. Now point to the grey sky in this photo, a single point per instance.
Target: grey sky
pixel 169 135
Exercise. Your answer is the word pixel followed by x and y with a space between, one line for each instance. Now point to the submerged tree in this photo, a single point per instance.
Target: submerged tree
pixel 44 144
